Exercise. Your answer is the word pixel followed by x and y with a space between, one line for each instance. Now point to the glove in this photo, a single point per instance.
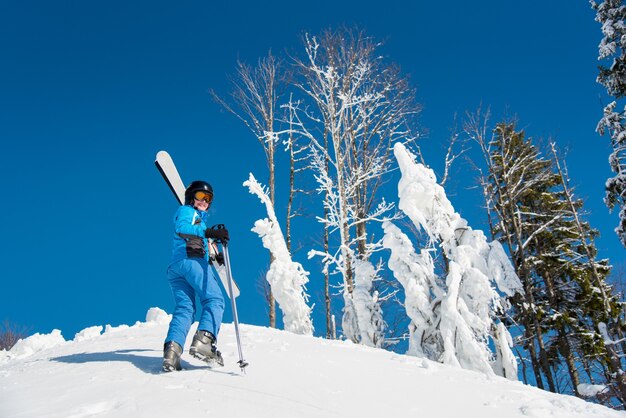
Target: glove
pixel 220 234
pixel 219 257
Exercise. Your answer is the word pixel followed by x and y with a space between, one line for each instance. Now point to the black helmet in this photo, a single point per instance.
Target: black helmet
pixel 197 186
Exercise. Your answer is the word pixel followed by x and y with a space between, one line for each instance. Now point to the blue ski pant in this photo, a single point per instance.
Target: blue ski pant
pixel 189 278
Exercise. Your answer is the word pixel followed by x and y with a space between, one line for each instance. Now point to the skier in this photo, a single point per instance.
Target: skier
pixel 189 275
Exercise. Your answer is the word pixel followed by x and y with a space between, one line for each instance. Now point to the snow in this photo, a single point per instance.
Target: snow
pixel 158 315
pixel 88 333
pixel 590 390
pixel 502 270
pixel 117 374
pixel 34 344
pixel 369 315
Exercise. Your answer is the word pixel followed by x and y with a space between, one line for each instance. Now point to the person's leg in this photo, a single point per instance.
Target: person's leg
pixel 210 295
pixel 204 341
pixel 184 298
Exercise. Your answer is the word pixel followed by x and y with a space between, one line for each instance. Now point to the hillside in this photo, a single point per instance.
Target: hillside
pixel 117 373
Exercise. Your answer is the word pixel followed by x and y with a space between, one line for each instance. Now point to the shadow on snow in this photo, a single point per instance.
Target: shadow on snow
pixel 146 363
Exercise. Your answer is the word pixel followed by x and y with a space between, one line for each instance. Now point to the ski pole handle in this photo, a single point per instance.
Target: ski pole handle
pixel 221 238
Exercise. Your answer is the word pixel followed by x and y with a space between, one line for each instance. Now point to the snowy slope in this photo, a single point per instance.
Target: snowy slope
pixel 117 374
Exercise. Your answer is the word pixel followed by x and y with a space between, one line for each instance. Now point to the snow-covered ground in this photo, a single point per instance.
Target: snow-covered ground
pixel 117 373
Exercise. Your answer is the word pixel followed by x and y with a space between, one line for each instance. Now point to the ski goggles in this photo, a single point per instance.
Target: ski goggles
pixel 207 197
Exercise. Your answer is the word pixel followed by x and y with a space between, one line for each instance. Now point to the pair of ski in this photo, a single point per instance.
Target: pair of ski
pixel 168 170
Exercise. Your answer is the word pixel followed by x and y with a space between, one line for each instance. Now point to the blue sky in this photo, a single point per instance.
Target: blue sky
pixel 90 91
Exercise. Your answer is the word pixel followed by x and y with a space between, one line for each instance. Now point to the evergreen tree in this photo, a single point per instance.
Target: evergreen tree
pixel 516 175
pixel 567 302
pixel 611 15
pixel 599 321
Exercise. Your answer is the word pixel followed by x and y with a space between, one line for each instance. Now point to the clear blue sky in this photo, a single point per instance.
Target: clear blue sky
pixel 90 91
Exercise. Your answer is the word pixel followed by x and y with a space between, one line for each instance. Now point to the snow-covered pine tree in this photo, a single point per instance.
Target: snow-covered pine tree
pixel 533 210
pixel 287 278
pixel 600 320
pixel 515 170
pixel 466 317
pixel 611 14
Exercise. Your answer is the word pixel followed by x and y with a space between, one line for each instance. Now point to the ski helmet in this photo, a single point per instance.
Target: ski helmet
pixel 197 186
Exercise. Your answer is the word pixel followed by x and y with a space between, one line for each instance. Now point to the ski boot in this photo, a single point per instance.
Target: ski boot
pixel 203 347
pixel 171 356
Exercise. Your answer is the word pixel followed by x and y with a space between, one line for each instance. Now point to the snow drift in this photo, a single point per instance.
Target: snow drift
pixel 116 373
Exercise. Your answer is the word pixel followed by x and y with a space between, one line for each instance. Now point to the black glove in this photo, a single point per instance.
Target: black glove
pixel 219 257
pixel 220 234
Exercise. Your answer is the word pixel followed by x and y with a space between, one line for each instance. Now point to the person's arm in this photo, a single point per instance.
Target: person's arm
pixel 188 224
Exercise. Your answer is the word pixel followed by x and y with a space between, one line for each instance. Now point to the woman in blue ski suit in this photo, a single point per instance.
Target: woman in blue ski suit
pixel 189 276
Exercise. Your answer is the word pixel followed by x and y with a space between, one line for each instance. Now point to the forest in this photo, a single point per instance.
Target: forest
pixel 527 299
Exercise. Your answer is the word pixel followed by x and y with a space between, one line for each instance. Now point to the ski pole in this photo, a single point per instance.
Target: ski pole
pixel 242 363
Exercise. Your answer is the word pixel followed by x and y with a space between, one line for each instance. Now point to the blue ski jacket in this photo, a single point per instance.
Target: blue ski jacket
pixel 189 241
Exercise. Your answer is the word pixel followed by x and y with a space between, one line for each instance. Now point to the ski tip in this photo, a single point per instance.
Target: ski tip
pixel 161 154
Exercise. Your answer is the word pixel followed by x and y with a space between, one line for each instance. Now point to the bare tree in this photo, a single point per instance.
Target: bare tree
pixel 255 94
pixel 10 334
pixel 297 163
pixel 457 146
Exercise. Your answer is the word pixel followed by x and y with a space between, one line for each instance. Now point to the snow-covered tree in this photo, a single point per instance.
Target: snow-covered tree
pixel 600 320
pixel 466 318
pixel 350 105
pixel 369 318
pixel 422 289
pixel 356 106
pixel 286 277
pixel 533 210
pixel 611 14
pixel 362 315
pixel 515 172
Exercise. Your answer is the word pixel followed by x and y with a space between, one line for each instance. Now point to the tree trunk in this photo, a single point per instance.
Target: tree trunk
pixel 530 346
pixel 329 319
pixel 361 232
pixel 568 355
pixel 271 301
pixel 330 326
